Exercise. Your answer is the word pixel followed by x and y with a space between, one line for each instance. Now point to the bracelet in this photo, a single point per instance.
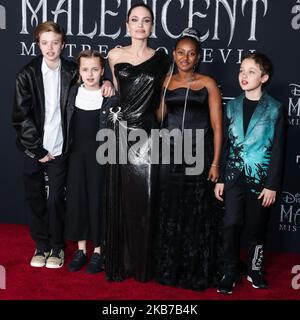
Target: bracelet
pixel 214 165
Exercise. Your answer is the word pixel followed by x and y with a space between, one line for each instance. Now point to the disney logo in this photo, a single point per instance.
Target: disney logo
pixel 295 91
pixel 290 198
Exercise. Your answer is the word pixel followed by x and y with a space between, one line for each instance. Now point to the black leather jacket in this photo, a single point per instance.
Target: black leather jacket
pixel 28 114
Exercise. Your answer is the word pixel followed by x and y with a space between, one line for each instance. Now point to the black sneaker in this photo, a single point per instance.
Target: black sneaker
pixel 78 261
pixel 257 279
pixel 96 264
pixel 226 284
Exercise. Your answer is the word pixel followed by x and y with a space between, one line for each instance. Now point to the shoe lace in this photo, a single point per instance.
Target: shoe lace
pixel 40 252
pixel 55 252
pixel 78 255
pixel 95 258
pixel 257 275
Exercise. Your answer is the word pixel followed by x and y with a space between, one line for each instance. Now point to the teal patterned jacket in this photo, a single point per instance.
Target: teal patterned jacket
pixel 253 151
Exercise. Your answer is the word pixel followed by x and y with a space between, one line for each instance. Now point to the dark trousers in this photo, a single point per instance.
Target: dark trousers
pixel 243 209
pixel 46 200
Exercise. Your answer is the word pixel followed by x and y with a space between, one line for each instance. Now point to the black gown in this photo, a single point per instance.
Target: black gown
pixel 130 201
pixel 189 219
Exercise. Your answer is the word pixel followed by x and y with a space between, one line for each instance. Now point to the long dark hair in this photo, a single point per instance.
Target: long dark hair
pixel 141 4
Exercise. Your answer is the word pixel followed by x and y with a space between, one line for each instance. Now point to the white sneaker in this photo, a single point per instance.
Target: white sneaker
pixel 56 259
pixel 39 258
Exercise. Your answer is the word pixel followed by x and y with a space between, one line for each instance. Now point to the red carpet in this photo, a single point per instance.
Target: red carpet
pixel 25 282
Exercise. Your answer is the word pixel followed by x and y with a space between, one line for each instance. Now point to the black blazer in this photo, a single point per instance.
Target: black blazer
pixel 28 115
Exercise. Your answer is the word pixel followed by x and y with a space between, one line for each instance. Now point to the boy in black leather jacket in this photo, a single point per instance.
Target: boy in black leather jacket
pixel 38 116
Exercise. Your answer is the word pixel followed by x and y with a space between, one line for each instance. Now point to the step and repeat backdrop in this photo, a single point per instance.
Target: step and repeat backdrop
pixel 229 29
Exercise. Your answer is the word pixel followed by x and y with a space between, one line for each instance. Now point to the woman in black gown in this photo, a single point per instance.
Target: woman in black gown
pixel 188 219
pixel 139 73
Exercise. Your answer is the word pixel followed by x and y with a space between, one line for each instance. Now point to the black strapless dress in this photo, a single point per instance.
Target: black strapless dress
pixel 130 201
pixel 189 217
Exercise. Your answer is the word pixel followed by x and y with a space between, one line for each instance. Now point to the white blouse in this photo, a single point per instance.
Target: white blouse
pixel 88 99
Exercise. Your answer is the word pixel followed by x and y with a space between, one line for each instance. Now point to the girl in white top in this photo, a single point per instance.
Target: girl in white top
pixel 85 184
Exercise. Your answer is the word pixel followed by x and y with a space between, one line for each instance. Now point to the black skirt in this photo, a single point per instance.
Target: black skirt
pixel 85 184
